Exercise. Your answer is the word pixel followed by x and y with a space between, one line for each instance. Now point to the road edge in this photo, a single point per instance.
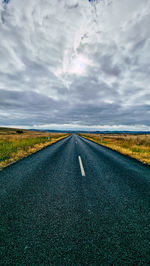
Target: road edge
pixel 125 155
pixel 26 156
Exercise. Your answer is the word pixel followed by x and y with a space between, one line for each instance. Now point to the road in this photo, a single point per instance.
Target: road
pixel 75 203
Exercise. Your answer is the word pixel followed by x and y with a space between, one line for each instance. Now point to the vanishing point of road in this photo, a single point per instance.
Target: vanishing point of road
pixel 75 203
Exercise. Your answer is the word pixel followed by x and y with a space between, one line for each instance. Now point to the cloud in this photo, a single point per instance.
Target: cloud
pixel 75 62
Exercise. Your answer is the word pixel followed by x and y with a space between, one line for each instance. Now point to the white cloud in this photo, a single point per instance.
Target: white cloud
pixel 94 54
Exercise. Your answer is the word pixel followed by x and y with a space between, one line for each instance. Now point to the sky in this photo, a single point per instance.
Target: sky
pixel 75 64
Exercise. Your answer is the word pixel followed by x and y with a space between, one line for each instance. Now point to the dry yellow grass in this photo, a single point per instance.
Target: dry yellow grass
pixel 133 145
pixel 16 144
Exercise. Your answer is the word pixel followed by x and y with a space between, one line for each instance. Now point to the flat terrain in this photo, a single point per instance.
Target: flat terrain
pixel 18 143
pixel 75 203
pixel 134 145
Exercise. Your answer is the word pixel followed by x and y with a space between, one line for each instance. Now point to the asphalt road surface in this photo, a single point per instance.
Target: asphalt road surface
pixel 75 203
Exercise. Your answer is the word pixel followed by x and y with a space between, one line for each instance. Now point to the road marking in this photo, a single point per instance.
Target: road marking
pixel 81 166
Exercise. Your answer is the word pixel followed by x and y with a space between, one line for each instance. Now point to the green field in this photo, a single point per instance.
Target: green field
pixel 16 144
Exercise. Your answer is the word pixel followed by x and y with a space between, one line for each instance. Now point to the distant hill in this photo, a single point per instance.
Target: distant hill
pixel 75 131
pixel 92 132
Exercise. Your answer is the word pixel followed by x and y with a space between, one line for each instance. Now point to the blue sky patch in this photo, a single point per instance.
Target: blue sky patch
pixel 6 1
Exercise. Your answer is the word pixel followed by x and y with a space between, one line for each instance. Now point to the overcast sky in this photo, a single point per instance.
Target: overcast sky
pixel 75 64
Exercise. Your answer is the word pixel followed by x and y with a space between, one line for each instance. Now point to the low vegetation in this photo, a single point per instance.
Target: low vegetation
pixel 17 143
pixel 133 145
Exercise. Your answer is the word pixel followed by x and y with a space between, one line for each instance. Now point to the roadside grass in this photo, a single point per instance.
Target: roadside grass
pixel 134 145
pixel 16 144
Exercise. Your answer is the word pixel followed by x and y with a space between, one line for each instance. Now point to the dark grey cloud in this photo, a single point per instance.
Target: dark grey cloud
pixel 71 63
pixel 30 107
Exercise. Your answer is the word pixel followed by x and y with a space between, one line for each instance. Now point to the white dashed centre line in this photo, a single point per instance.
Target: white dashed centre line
pixel 81 166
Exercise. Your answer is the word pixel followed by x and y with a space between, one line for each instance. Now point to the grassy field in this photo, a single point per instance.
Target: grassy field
pixel 18 143
pixel 134 145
